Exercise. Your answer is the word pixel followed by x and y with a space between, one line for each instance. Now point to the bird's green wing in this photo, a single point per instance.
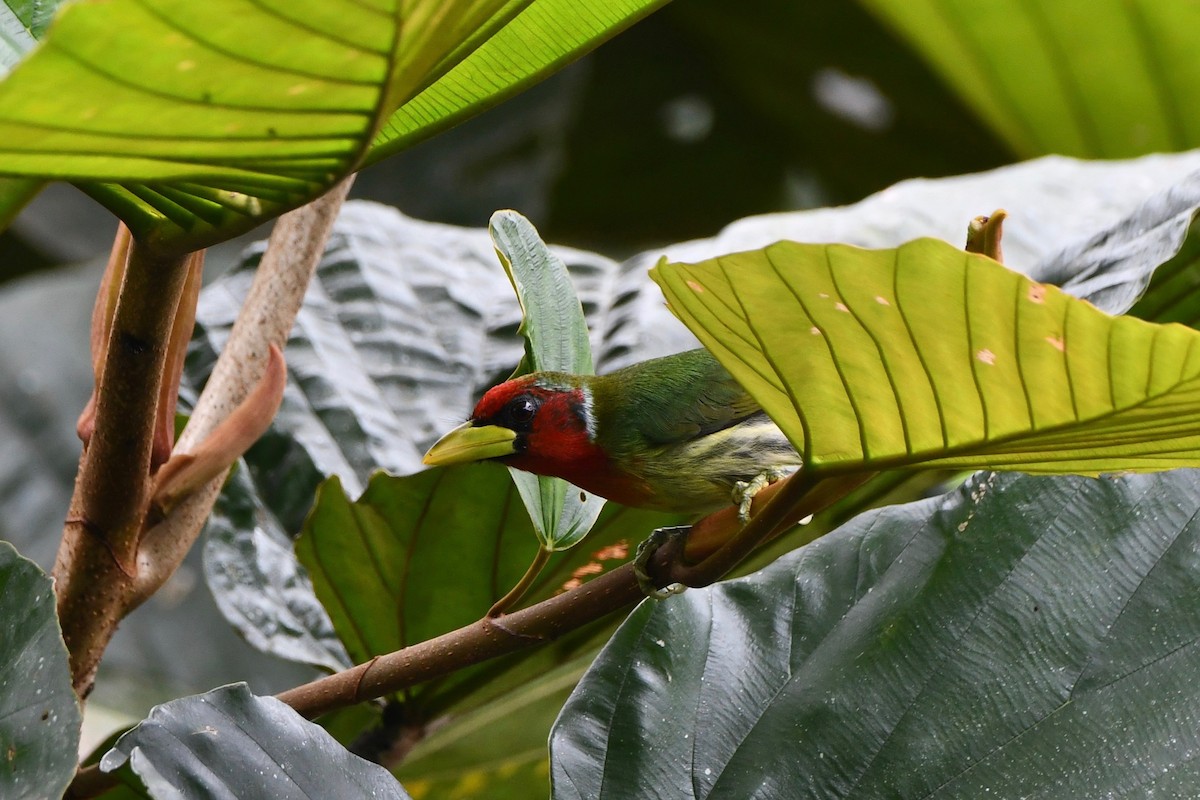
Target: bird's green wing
pixel 679 397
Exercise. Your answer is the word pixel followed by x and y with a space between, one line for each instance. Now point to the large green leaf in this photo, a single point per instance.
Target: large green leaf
pixel 556 339
pixel 39 716
pixel 1103 80
pixel 211 126
pixel 926 355
pixel 230 744
pixel 1021 637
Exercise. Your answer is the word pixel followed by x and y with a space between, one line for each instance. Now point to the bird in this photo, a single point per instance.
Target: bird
pixel 676 433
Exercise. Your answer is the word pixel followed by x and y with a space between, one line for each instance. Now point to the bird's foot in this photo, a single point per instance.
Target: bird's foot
pixel 744 491
pixel 645 552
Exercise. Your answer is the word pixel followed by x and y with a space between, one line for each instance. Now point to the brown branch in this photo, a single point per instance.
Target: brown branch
pixel 95 566
pixel 550 619
pixel 475 643
pixel 296 245
pixel 719 542
pixel 984 235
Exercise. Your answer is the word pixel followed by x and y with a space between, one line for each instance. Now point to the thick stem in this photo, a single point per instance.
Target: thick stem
pixel 96 563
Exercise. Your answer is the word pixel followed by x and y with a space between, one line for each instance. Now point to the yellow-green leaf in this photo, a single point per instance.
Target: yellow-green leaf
pixel 1106 79
pixel 195 121
pixel 928 356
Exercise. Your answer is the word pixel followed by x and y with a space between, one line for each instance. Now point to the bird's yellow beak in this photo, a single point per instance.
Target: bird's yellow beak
pixel 469 443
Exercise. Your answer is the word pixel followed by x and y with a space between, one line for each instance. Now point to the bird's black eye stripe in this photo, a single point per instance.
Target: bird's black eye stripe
pixel 517 414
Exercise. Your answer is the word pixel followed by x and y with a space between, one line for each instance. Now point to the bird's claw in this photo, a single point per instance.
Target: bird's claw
pixel 744 491
pixel 645 552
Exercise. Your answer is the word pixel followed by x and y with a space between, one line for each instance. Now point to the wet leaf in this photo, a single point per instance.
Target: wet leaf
pixel 39 717
pixel 229 744
pixel 1020 637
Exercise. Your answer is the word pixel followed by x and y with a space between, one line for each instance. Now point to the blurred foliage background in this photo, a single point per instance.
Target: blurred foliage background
pixel 702 114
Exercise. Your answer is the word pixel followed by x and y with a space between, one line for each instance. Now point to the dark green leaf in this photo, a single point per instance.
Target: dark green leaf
pixel 1020 637
pixel 1174 291
pixel 39 717
pixel 414 557
pixel 229 744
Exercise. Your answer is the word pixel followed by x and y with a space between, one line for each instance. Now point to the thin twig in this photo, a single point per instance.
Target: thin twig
pixel 267 315
pixel 518 591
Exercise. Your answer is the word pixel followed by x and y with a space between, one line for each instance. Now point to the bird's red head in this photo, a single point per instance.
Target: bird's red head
pixel 553 422
pixel 541 423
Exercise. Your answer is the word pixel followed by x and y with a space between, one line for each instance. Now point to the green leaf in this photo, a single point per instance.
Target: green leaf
pixel 39 716
pixel 552 323
pixel 556 339
pixel 1105 80
pixel 414 557
pixel 192 129
pixel 228 743
pixel 1020 637
pixel 1174 292
pixel 928 356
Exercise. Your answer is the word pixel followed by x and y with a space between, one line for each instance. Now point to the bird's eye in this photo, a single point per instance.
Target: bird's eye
pixel 520 411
